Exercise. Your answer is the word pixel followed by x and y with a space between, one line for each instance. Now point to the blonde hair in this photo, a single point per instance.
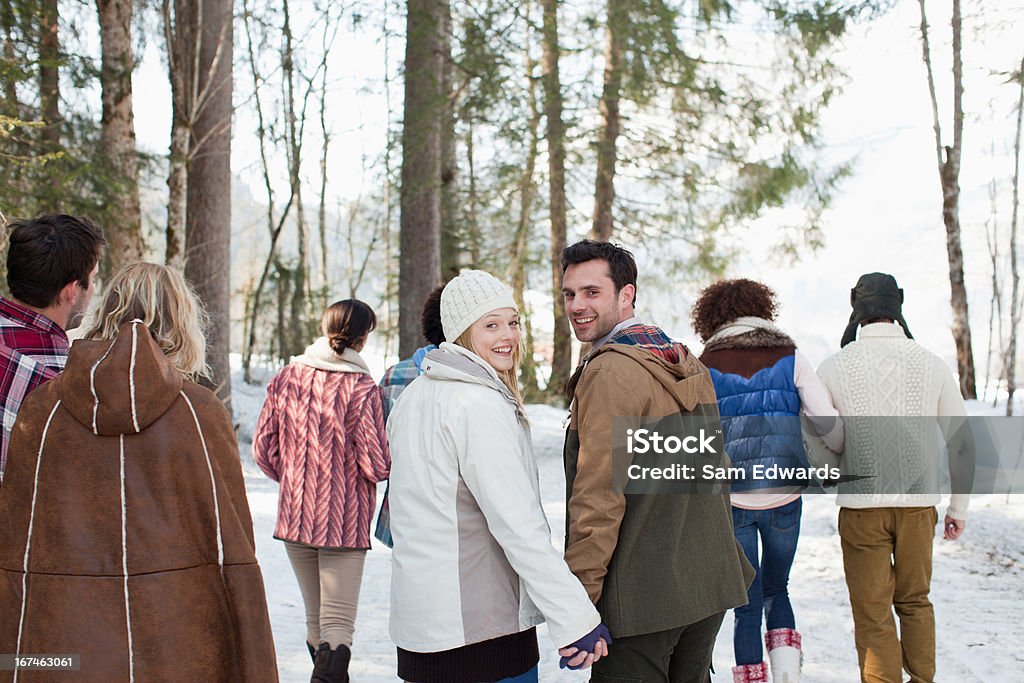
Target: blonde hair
pixel 510 378
pixel 163 300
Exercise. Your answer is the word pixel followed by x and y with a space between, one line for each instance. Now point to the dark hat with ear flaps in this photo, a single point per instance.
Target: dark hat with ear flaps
pixel 876 296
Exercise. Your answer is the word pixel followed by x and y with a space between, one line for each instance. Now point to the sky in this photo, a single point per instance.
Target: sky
pixel 886 217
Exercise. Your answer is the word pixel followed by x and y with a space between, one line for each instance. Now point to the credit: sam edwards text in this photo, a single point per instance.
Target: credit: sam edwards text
pixel 757 472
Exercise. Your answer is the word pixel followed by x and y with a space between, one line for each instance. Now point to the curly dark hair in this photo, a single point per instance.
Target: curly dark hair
pixel 726 300
pixel 430 317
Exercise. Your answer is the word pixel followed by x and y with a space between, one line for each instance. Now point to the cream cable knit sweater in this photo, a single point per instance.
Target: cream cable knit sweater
pixel 882 375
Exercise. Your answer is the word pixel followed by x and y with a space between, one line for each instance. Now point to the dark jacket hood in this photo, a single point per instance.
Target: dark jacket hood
pixel 683 380
pixel 120 386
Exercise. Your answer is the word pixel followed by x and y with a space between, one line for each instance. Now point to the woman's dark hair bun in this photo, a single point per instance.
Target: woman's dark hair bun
pixel 338 343
pixel 346 322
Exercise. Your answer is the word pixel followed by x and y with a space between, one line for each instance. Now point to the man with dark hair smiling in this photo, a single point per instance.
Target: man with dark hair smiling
pixel 662 569
pixel 51 265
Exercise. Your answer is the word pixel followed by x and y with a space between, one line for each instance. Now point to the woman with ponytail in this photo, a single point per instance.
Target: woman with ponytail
pixel 321 436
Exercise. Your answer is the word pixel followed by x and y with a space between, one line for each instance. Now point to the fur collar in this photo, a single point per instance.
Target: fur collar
pixel 748 333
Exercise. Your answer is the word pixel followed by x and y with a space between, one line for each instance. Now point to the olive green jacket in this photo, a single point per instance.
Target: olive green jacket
pixel 650 561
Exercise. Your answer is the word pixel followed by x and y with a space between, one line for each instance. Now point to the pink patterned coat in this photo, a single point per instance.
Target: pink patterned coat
pixel 321 435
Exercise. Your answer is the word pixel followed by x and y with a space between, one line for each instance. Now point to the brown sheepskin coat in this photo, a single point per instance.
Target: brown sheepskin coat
pixel 125 534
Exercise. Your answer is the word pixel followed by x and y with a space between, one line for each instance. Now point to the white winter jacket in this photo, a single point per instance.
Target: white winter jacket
pixel 473 558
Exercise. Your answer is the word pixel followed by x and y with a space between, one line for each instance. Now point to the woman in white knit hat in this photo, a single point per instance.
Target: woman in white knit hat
pixel 473 569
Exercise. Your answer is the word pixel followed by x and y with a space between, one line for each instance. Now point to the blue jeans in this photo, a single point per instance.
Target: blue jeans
pixel 769 593
pixel 528 677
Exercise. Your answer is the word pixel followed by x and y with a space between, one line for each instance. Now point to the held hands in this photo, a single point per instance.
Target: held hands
pixel 952 528
pixel 586 650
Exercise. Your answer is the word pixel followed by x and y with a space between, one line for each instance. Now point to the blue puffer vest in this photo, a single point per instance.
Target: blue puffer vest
pixel 760 412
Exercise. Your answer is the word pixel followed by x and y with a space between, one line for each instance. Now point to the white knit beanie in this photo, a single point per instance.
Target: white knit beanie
pixel 469 297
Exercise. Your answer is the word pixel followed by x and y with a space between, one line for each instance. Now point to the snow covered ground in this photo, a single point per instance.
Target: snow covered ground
pixel 977 587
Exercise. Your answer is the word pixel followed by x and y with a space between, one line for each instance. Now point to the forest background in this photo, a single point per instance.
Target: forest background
pixel 288 153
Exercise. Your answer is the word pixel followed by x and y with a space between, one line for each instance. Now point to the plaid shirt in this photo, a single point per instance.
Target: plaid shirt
pixel 651 338
pixel 393 383
pixel 400 375
pixel 33 349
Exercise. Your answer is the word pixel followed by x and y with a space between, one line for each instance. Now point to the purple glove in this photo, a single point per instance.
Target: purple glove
pixel 586 644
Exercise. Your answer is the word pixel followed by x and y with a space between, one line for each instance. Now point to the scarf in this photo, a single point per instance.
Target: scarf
pixel 321 356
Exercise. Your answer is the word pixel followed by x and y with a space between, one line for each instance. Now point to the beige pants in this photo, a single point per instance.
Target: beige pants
pixel 329 580
pixel 887 555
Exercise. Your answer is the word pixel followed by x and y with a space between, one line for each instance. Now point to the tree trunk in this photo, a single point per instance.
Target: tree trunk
pixel 527 188
pixel 949 177
pixel 299 313
pixel 284 283
pixel 49 77
pixel 1015 303
pixel 294 127
pixel 178 67
pixel 995 315
pixel 451 246
pixel 10 102
pixel 209 183
pixel 472 223
pixel 274 226
pixel 177 191
pixel 324 289
pixel 420 239
pixel 118 135
pixel 325 278
pixel 604 189
pixel 389 258
pixel 561 348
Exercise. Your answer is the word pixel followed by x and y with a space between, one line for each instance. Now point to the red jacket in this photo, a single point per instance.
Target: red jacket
pixel 321 435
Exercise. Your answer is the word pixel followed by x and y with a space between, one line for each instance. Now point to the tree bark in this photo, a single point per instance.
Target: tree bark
pixel 1015 303
pixel 420 239
pixel 561 357
pixel 517 264
pixel 451 246
pixel 472 222
pixel 604 189
pixel 208 218
pixel 325 278
pixel 949 178
pixel 326 45
pixel 995 315
pixel 49 76
pixel 389 257
pixel 118 133
pixel 178 68
pixel 10 103
pixel 294 127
